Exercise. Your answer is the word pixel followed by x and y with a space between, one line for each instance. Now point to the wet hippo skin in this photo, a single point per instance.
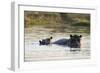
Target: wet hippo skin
pixel 73 42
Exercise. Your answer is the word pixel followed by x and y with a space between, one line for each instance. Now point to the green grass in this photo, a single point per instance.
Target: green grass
pixel 84 24
pixel 59 22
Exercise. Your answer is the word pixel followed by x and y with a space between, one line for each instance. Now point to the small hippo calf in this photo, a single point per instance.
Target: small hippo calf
pixel 46 41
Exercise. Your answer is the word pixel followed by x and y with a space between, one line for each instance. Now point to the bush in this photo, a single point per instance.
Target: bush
pixel 86 24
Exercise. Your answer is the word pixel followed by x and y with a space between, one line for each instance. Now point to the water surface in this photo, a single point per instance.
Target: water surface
pixel 35 52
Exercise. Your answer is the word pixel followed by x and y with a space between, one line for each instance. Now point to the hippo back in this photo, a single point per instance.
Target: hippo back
pixel 64 42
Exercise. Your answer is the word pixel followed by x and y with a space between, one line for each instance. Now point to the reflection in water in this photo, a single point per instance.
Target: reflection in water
pixel 34 52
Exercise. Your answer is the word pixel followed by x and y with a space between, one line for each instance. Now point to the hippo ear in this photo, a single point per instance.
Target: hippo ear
pixel 80 36
pixel 70 35
pixel 51 37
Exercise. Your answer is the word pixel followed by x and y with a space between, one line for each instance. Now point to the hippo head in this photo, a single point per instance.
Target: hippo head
pixel 75 41
pixel 46 41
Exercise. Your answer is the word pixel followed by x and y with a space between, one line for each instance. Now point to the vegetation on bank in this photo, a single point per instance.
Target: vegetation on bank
pixel 57 20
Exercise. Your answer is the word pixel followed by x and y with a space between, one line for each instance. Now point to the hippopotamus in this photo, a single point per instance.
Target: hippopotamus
pixel 46 41
pixel 73 42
